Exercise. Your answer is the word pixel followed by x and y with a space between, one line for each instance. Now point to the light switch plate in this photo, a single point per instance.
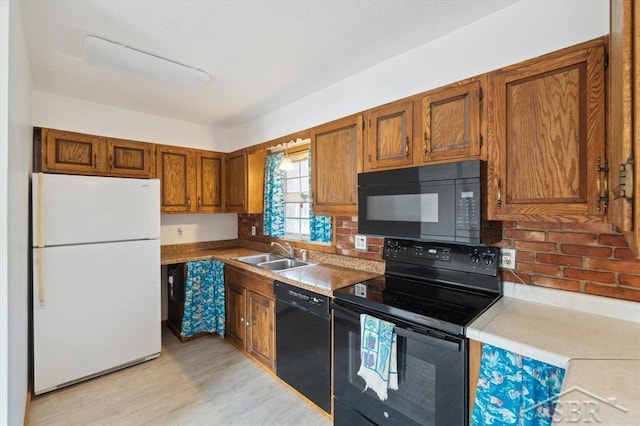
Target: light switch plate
pixel 361 242
pixel 253 230
pixel 508 258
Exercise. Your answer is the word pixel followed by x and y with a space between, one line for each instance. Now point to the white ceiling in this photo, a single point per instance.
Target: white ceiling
pixel 261 54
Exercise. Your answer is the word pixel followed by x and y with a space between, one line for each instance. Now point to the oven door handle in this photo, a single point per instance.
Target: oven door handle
pixel 452 344
pixel 441 342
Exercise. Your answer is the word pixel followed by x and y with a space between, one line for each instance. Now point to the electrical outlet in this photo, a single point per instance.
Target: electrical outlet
pixel 179 232
pixel 361 242
pixel 508 258
pixel 253 230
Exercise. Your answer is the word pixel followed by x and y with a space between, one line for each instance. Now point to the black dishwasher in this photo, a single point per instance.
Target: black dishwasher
pixel 303 342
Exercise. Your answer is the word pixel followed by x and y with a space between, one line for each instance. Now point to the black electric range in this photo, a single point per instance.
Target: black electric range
pixel 442 286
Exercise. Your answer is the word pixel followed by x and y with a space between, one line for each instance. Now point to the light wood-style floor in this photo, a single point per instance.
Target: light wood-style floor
pixel 202 382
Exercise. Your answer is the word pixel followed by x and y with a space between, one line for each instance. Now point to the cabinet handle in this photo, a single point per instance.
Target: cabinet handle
pixel 406 148
pixel 189 201
pixel 110 162
pixel 602 186
pixel 199 202
pixel 427 147
pixel 95 160
pixel 499 202
pixel 248 324
pixel 624 189
pixel 241 319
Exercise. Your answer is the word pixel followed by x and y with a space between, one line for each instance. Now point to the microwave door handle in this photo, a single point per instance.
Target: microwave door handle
pixel 429 340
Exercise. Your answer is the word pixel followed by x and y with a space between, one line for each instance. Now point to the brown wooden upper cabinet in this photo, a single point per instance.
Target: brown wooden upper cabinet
pixel 389 136
pixel 78 153
pixel 245 181
pixel 623 119
pixel 450 123
pixel 546 134
pixel 176 170
pixel 127 158
pixel 336 160
pixel 210 181
pixel 191 181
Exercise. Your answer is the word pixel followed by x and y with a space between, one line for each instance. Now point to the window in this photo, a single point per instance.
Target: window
pixel 297 199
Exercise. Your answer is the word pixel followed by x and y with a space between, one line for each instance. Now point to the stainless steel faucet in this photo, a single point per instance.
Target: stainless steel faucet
pixel 288 249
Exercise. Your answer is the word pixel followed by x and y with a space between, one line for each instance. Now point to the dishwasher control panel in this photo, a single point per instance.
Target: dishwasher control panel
pixel 303 298
pixel 314 300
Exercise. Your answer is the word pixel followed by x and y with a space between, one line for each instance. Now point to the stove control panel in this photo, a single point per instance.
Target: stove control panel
pixel 436 253
pixel 453 256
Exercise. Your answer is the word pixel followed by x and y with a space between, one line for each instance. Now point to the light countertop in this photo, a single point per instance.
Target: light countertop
pixel 596 339
pixel 600 392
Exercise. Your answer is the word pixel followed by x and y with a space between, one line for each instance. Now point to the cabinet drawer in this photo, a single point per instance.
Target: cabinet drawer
pixel 260 285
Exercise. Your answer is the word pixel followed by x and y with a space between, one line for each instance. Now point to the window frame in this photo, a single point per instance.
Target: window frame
pixel 298 197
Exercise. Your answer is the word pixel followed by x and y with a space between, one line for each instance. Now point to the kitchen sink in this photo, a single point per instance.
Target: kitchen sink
pixel 260 258
pixel 279 265
pixel 273 262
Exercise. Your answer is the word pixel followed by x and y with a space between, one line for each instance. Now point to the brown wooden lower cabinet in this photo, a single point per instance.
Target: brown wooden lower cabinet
pixel 475 353
pixel 250 315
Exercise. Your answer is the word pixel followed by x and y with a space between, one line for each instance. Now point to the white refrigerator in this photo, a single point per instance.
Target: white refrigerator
pixel 96 276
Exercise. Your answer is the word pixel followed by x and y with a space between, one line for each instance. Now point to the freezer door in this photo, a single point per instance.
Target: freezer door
pixel 70 209
pixel 95 307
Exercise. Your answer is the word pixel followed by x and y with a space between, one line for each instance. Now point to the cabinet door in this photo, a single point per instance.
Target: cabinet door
pixel 235 314
pixel 389 136
pixel 130 159
pixel 336 162
pixel 546 137
pixel 237 181
pixel 623 122
pixel 210 181
pixel 261 337
pixel 451 123
pixel 70 152
pixel 175 169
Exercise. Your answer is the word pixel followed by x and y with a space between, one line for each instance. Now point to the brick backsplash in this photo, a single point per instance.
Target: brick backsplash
pixel 586 258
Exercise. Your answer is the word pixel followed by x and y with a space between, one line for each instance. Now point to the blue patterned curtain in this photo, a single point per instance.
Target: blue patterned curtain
pixel 204 298
pixel 273 196
pixel 320 227
pixel 515 390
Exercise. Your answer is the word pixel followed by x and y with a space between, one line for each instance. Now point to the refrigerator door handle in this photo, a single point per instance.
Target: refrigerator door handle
pixel 40 211
pixel 41 275
pixel 40 242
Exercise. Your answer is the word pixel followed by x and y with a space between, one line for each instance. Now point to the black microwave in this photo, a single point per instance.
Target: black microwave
pixel 438 202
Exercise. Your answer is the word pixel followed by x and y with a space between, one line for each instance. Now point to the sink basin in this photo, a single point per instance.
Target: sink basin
pixel 273 262
pixel 282 264
pixel 260 258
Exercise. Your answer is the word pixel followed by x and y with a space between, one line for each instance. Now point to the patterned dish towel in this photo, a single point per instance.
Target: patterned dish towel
pixel 378 355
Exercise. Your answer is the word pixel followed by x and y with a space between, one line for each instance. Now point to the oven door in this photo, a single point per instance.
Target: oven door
pixel 432 376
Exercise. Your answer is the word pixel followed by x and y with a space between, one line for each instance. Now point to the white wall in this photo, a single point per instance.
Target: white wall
pixel 524 30
pixel 16 143
pixel 196 227
pixel 4 212
pixel 62 113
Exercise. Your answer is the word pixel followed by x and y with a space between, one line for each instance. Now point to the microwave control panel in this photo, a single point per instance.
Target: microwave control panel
pixel 467 207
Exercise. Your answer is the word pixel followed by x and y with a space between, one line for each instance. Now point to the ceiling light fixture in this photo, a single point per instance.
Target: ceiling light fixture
pixel 103 53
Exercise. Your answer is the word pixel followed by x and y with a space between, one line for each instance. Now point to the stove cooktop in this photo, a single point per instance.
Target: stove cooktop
pixel 426 304
pixel 436 285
